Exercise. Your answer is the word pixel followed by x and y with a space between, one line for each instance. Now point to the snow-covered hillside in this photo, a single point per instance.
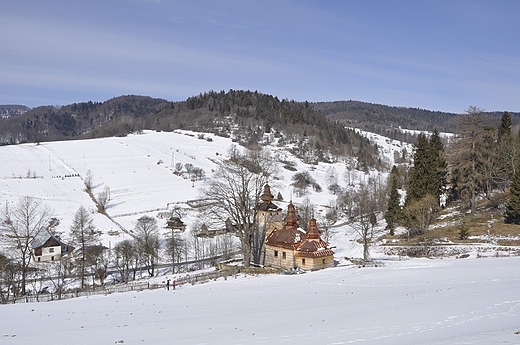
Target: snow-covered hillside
pixel 139 172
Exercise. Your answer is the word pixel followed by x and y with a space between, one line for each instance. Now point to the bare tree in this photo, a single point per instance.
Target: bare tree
pixel 196 244
pixel 124 257
pixel 26 221
pixel 173 247
pixel 227 245
pixel 98 260
pixel 147 240
pixel 83 235
pixel 379 187
pixel 419 214
pixel 10 277
pixel 508 158
pixel 301 181
pixel 198 173
pixel 345 200
pixel 57 272
pixel 365 219
pixel 232 194
pixel 332 180
pixel 305 212
pixel 102 198
pixel 88 180
pixel 326 222
pixel 189 168
pixel 349 176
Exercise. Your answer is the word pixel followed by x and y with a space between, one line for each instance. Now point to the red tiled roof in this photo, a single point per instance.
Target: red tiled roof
pixel 285 237
pixel 312 245
pixel 289 236
pixel 307 244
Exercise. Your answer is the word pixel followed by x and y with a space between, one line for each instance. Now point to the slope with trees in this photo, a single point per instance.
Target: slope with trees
pixel 243 115
pixel 387 120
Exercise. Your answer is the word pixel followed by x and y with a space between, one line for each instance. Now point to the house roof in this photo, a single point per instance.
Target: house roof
pixel 46 237
pixel 175 222
pixel 288 236
pixel 313 245
pixel 307 244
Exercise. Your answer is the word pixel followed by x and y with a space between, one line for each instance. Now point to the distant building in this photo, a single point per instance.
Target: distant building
pixel 206 233
pixel 289 247
pixel 48 247
pixel 175 223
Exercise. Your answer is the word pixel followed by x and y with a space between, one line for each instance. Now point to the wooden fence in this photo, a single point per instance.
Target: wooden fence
pixel 118 288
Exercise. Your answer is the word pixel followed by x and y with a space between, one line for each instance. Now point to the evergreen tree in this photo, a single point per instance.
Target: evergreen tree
pixel 505 126
pixel 507 152
pixel 439 168
pixel 488 161
pixel 393 210
pixel 420 175
pixel 513 204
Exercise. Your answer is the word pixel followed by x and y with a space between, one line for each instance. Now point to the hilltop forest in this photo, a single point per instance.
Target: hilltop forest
pixel 244 116
pixel 388 121
pixel 316 131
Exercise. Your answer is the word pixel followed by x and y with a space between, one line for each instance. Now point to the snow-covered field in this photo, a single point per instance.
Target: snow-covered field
pixel 420 301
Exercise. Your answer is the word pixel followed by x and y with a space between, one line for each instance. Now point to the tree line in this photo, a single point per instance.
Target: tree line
pixel 90 260
pixel 479 162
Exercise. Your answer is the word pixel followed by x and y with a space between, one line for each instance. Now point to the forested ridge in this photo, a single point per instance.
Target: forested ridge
pixel 317 131
pixel 386 120
pixel 245 116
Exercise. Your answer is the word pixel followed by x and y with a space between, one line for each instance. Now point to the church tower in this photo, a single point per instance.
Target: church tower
pixel 268 217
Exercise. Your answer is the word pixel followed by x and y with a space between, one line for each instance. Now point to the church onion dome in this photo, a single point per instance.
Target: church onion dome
pixel 313 245
pixel 313 232
pixel 267 197
pixel 288 236
pixel 291 221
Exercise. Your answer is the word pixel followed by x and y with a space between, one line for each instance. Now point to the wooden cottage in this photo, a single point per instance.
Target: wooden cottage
pixel 289 247
pixel 175 223
pixel 207 233
pixel 48 247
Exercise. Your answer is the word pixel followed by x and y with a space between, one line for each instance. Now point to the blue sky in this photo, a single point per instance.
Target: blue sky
pixel 437 55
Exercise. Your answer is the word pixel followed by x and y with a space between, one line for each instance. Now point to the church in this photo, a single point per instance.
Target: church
pixel 286 246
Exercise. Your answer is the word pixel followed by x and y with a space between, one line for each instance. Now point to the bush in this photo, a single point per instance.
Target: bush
pixel 463 232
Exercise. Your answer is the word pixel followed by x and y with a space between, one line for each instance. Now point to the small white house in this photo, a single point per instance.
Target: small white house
pixel 47 247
